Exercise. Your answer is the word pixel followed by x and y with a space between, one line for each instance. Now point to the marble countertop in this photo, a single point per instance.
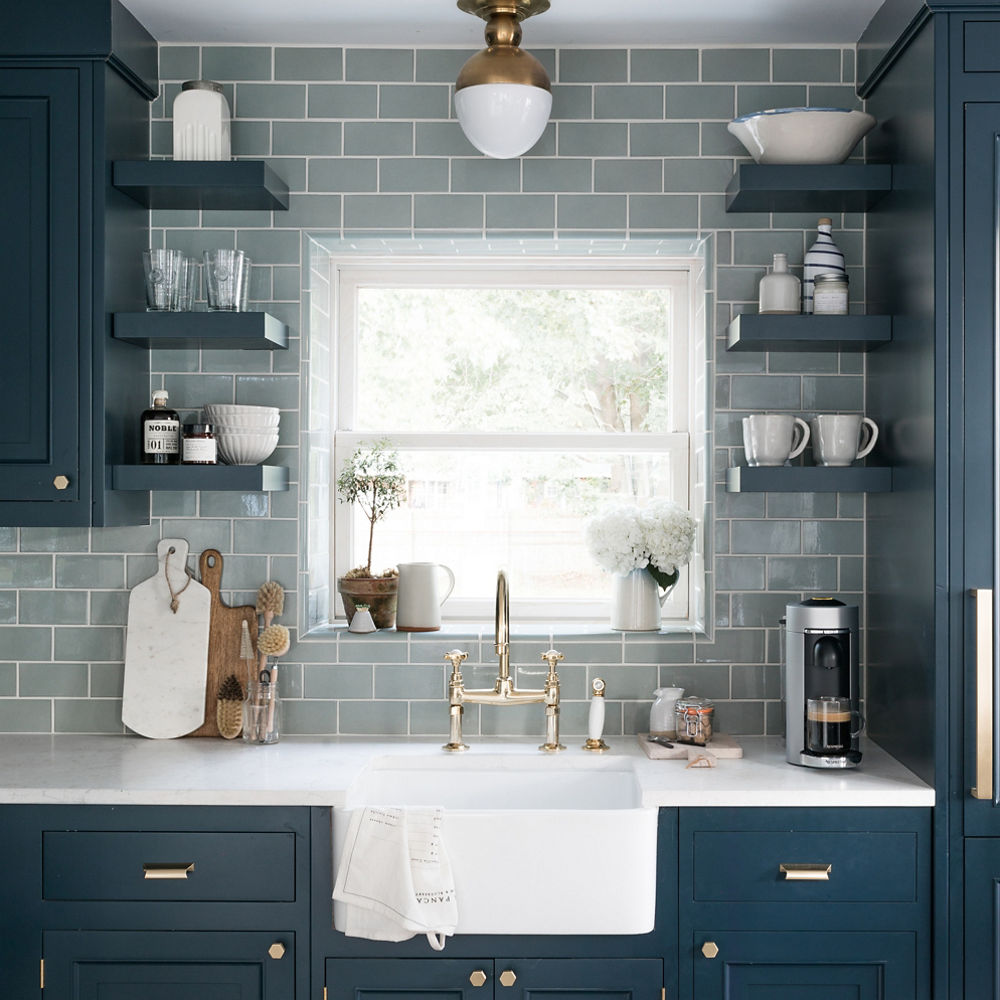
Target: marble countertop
pixel 316 771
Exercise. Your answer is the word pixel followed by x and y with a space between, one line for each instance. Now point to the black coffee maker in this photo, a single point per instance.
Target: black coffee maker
pixel 821 684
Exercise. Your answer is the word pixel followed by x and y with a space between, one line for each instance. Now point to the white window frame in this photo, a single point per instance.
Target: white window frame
pixel 348 273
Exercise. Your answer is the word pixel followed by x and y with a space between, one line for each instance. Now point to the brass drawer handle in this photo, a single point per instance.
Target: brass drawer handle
pixel 805 873
pixel 60 482
pixel 984 694
pixel 177 869
pixel 478 978
pixel 710 949
pixel 277 950
pixel 508 977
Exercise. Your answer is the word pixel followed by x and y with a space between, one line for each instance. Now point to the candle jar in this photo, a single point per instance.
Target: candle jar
pixel 830 294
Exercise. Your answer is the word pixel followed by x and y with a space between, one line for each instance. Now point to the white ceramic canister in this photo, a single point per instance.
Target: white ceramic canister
pixel 201 122
pixel 780 291
pixel 661 715
pixel 823 256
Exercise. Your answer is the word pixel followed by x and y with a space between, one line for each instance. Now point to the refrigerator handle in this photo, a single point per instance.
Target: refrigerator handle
pixel 983 789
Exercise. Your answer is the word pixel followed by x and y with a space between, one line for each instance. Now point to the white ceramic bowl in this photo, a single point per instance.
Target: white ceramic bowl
pixel 801 135
pixel 239 409
pixel 249 448
pixel 242 421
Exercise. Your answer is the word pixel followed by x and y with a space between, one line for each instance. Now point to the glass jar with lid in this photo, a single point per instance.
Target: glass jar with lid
pixel 693 716
pixel 830 294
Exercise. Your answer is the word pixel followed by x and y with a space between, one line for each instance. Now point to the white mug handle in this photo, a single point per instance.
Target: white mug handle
pixel 869 425
pixel 451 584
pixel 797 449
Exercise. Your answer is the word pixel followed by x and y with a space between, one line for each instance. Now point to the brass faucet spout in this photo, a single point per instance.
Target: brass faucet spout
pixel 502 644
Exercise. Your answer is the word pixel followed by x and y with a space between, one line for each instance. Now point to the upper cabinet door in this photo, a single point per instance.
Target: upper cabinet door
pixel 44 329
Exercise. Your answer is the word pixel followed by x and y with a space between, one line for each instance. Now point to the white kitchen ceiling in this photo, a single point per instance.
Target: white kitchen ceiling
pixel 567 23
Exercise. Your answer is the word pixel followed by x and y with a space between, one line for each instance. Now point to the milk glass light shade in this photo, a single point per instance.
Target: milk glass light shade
pixel 503 120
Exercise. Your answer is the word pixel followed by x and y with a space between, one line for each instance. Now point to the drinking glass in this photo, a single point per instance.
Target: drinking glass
pixel 224 271
pixel 163 275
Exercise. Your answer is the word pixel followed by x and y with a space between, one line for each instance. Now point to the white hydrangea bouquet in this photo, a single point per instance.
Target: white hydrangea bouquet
pixel 659 537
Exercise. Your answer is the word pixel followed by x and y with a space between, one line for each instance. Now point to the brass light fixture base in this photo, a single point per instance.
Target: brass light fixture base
pixel 519 8
pixel 503 61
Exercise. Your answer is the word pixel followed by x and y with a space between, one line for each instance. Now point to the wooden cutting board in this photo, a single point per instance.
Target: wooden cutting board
pixel 721 745
pixel 223 639
pixel 166 651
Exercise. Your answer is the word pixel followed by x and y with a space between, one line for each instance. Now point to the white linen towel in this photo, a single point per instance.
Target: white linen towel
pixel 395 876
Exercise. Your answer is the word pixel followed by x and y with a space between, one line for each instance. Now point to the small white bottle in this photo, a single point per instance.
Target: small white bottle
pixel 780 291
pixel 822 256
pixel 201 122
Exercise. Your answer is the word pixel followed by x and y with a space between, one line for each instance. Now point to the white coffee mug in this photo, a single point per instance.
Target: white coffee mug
pixel 840 438
pixel 419 600
pixel 773 438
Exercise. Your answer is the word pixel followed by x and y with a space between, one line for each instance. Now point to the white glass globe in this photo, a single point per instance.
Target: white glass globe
pixel 503 120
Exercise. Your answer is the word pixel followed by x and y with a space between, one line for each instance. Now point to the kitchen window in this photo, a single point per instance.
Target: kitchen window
pixel 523 397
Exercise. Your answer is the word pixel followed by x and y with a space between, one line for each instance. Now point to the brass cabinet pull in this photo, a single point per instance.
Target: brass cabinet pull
pixel 277 950
pixel 177 869
pixel 478 978
pixel 983 788
pixel 805 873
pixel 507 977
pixel 60 482
pixel 710 949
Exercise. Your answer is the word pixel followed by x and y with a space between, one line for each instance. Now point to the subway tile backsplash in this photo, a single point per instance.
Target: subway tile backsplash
pixel 368 143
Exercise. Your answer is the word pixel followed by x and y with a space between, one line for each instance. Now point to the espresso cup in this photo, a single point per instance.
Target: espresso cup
pixel 840 438
pixel 829 727
pixel 419 600
pixel 773 438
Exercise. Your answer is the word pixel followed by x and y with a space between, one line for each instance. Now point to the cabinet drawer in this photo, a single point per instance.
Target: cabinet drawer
pixel 168 865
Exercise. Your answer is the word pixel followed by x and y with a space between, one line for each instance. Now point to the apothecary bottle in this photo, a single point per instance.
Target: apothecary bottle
pixel 779 291
pixel 822 256
pixel 198 445
pixel 160 429
pixel 201 122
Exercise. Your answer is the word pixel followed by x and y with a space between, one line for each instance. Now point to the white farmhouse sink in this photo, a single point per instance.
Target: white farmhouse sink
pixel 538 845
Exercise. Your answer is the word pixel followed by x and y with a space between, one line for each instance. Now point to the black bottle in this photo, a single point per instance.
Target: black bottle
pixel 160 429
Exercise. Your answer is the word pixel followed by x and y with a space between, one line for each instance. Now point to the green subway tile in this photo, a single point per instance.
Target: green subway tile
pixel 88 715
pixel 852 574
pixel 224 361
pixel 236 62
pixel 696 174
pixel 440 65
pixel 275 246
pixel 740 572
pixel 379 211
pixel 378 138
pixel 161 139
pixel 806 65
pixel 592 211
pixel 766 392
pixel 826 393
pixel 50 680
pixel 430 647
pixel 25 571
pixel 343 680
pixel 176 361
pixel 766 537
pixel 286 280
pixel 714 216
pixel 485 174
pixel 352 174
pixel 8 680
pixel 756 680
pixel 106 680
pixel 411 100
pixel 802 573
pixel 784 362
pixel 142 538
pixel 628 175
pixel 520 211
pixel 307 138
pixel 688 101
pixel 663 211
pixel 194 241
pixel 569 102
pixel 373 718
pixel 24 642
pixel 192 391
pixel 760 610
pixel 8 607
pixel 413 173
pixel 8 538
pixel 308 63
pixel 265 536
pixel 426 719
pixel 442 139
pixel 108 607
pixel 760 247
pixel 518 720
pixel 740 65
pixel 664 139
pixel 19 715
pixel 593 139
pixel 140 568
pixel 387 648
pixel 851 505
pixel 848 71
pixel 741 718
pixel 55 539
pixel 247 573
pixel 200 535
pixel 91 643
pixel 292 170
pixel 593 65
pixel 801 504
pixel 253 505
pixel 179 62
pixel 448 211
pixel 555 174
pixel 251 138
pixel 230 218
pixel 309 718
pixel 379 65
pixel 270 100
pixel 53 607
pixel 664 65
pixel 409 681
pixel 759 97
pixel 546 145
pixel 831 96
pixel 173 504
pixel 833 537
pixel 343 100
pixel 628 102
pixel 717 140
pixel 738 284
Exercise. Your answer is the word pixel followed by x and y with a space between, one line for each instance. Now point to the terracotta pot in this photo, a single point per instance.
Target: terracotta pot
pixel 379 593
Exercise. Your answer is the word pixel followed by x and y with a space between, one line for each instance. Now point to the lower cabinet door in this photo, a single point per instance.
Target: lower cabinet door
pixel 982 907
pixel 792 965
pixel 169 965
pixel 414 978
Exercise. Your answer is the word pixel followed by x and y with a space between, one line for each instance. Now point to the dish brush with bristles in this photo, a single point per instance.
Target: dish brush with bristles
pixel 270 601
pixel 275 640
pixel 229 708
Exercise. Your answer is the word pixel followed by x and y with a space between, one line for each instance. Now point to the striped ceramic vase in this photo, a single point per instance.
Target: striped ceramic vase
pixel 821 257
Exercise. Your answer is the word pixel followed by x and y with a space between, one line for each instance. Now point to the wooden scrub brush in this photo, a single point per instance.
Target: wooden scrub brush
pixel 229 708
pixel 273 641
pixel 270 601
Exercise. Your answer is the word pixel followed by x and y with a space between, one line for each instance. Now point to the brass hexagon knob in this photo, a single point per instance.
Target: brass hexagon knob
pixel 277 950
pixel 478 978
pixel 507 977
pixel 710 949
pixel 60 482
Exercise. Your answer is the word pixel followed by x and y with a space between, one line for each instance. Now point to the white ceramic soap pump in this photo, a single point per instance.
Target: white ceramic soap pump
pixel 595 723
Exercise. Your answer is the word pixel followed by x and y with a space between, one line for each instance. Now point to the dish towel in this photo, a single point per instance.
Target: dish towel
pixel 395 876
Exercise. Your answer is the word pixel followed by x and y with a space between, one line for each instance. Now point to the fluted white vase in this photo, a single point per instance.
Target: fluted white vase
pixel 636 601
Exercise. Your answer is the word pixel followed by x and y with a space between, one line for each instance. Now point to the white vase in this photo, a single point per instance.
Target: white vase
pixel 823 257
pixel 636 601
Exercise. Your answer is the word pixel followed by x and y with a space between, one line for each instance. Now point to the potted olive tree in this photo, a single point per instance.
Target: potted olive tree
pixel 371 479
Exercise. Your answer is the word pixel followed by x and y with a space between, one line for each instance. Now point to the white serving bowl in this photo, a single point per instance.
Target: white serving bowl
pixel 236 409
pixel 250 448
pixel 801 135
pixel 240 420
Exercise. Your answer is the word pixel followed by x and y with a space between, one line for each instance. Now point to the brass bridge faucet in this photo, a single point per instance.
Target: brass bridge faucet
pixel 503 692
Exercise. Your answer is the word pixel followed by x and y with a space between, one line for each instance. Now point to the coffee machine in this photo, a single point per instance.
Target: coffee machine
pixel 821 684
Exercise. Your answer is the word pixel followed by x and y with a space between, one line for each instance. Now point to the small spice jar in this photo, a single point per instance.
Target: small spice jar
pixel 830 294
pixel 694 720
pixel 198 446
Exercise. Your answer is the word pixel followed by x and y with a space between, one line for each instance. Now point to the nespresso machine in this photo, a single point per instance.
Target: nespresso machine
pixel 821 684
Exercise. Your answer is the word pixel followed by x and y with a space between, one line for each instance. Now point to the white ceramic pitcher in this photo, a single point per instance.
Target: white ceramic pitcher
pixel 418 605
pixel 636 600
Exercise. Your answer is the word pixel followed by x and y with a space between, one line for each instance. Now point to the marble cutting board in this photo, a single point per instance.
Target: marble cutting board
pixel 166 653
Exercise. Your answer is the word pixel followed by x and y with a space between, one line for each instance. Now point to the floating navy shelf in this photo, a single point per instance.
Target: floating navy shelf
pixel 247 331
pixel 236 478
pixel 217 184
pixel 841 187
pixel 808 479
pixel 751 332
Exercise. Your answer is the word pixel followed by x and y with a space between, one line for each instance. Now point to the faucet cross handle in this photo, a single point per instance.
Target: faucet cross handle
pixel 553 657
pixel 456 657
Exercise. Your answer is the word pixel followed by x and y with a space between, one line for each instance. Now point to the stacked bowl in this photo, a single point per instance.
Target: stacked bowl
pixel 246 435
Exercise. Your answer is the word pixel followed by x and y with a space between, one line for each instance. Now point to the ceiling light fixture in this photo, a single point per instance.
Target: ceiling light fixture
pixel 503 96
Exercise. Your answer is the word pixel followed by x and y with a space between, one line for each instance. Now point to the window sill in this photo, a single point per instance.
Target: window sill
pixel 484 631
